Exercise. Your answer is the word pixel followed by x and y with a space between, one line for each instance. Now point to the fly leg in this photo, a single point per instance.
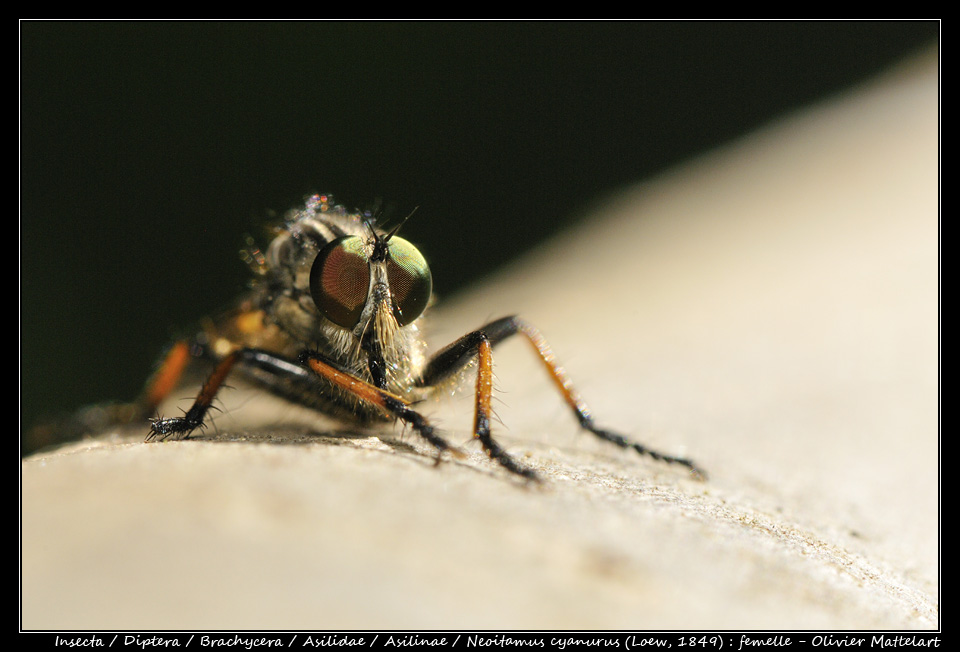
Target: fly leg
pixel 390 404
pixel 181 427
pixel 275 373
pixel 478 346
pixel 312 381
pixel 167 375
pixel 101 416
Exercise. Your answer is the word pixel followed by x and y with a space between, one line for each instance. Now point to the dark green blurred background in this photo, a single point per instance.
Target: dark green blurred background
pixel 147 149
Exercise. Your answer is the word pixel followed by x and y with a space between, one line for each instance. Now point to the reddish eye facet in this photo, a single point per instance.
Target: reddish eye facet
pixel 340 280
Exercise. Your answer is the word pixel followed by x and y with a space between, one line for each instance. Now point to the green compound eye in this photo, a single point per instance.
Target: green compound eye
pixel 340 280
pixel 410 280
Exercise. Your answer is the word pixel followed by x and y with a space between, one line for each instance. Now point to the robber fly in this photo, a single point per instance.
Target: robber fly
pixel 333 323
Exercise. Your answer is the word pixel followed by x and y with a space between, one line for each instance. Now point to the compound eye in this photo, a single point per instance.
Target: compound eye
pixel 340 280
pixel 410 280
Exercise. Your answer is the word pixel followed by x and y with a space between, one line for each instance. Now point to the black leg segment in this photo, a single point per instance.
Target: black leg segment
pixel 477 346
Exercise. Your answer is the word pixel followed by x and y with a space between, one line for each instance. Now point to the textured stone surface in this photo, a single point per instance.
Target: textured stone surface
pixel 769 309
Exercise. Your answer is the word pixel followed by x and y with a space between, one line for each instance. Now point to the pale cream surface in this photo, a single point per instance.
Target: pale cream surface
pixel 770 310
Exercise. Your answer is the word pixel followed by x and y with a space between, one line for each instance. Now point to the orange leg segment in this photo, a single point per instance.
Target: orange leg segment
pixel 478 346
